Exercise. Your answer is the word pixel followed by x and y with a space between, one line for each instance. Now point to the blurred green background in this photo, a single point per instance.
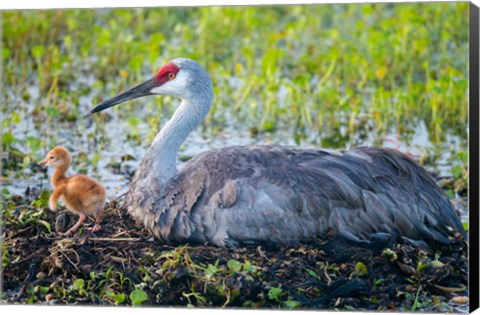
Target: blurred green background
pixel 325 75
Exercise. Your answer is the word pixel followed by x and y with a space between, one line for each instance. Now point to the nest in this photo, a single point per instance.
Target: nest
pixel 123 265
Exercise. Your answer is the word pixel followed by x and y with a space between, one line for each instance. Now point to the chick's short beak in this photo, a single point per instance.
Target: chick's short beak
pixel 43 162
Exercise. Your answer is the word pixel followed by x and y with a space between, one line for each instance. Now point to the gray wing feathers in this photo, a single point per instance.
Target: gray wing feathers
pixel 288 194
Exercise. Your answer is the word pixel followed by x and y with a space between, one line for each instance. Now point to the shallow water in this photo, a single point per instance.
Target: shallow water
pixel 199 141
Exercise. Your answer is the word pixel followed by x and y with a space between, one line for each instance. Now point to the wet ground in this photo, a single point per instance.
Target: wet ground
pixel 122 264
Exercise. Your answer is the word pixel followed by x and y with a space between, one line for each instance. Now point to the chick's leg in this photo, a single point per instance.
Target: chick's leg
pixel 81 220
pixel 98 217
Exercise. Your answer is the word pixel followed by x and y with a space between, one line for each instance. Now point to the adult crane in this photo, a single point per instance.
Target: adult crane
pixel 274 193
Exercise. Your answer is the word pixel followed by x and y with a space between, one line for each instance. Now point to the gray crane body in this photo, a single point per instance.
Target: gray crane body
pixel 272 193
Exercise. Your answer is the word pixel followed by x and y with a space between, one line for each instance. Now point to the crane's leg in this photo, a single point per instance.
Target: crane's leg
pixel 81 220
pixel 98 217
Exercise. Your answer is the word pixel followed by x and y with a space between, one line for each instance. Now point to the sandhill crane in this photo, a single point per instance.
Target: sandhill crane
pixel 273 193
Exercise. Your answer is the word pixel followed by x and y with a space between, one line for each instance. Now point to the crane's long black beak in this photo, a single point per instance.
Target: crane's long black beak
pixel 143 89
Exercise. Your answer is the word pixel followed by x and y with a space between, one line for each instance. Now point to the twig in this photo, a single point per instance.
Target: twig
pixel 451 290
pixel 66 256
pixel 115 239
pixel 120 233
pixel 325 273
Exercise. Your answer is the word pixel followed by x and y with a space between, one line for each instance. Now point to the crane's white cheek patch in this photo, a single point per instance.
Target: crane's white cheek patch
pixel 174 87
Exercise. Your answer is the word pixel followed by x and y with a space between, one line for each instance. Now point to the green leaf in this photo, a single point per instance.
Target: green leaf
pixel 43 290
pixel 350 308
pixel 156 39
pixel 136 62
pixel 67 40
pixel 7 139
pixel 275 293
pixel 234 265
pixel 269 126
pixel 26 161
pixel 313 273
pixel 457 171
pixel 138 297
pixel 119 298
pixel 436 264
pixel 52 111
pixel 6 53
pixel 16 118
pixel 44 195
pixel 360 268
pixel 134 121
pixel 78 284
pixel 463 156
pixel 38 51
pixel 431 264
pixel 5 261
pixel 390 253
pixel 109 293
pixel 292 304
pixel 34 143
pixel 377 282
pixel 96 159
pixel 247 266
pixel 210 271
pixel 47 225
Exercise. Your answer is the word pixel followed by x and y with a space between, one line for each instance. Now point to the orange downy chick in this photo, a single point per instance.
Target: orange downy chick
pixel 80 194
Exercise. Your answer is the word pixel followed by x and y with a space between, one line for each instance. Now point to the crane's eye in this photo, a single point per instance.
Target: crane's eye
pixel 51 158
pixel 171 76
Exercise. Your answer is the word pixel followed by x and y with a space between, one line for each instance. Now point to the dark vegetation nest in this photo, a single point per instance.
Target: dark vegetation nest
pixel 124 265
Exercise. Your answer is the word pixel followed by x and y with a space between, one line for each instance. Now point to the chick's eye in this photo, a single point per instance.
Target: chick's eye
pixel 51 158
pixel 171 76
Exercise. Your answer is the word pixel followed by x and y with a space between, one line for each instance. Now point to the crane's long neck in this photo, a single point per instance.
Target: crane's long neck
pixel 167 142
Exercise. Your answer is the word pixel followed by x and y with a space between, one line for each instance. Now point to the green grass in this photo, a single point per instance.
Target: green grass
pixel 343 69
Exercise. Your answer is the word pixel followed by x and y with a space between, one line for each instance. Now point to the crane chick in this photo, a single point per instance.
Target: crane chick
pixel 80 194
